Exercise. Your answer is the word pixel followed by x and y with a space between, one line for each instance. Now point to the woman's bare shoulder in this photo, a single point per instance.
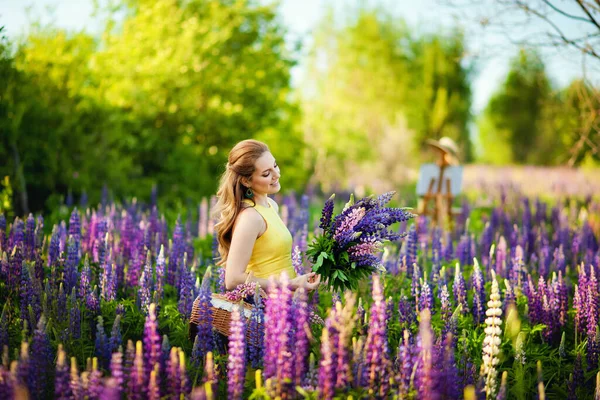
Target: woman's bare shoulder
pixel 250 219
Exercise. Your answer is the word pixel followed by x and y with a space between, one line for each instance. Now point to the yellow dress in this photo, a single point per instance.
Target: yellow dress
pixel 272 251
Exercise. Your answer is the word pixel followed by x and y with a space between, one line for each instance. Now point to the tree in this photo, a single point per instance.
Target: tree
pixel 569 26
pixel 512 118
pixel 368 83
pixel 159 98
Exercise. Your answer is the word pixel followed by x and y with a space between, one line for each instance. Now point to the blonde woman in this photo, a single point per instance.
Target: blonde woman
pixel 254 243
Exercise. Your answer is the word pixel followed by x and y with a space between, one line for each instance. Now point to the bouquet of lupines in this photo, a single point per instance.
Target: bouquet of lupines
pixel 348 248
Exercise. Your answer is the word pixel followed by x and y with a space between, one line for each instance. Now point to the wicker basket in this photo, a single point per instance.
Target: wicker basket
pixel 221 310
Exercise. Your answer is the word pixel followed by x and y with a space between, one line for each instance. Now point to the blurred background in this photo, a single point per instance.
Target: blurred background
pixel 135 98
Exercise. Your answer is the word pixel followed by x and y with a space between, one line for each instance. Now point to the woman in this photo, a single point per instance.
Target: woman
pixel 254 243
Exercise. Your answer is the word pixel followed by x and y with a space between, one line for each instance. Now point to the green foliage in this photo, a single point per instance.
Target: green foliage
pixel 160 98
pixel 383 91
pixel 526 121
pixel 514 113
pixel 6 194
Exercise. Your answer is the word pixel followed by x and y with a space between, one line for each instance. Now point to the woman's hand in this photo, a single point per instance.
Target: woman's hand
pixel 308 282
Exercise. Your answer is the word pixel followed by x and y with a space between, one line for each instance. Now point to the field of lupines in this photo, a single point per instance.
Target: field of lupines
pixel 505 305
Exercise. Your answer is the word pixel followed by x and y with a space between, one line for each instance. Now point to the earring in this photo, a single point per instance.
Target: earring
pixel 249 193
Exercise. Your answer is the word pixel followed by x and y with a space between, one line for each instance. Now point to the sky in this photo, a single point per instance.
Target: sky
pixel 490 48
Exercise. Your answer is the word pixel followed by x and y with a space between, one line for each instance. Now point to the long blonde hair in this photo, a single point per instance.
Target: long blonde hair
pixel 231 192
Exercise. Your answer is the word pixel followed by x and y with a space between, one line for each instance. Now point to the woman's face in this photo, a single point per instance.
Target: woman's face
pixel 265 179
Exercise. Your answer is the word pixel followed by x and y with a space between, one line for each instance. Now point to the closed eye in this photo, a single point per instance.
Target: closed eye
pixel 269 172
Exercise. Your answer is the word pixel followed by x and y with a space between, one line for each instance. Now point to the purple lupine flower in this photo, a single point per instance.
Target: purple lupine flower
pixel 196 352
pixel 509 295
pixel 478 293
pixel 297 261
pixel 17 235
pixel 416 277
pixel 256 333
pixel 176 255
pixel 25 290
pixel 153 385
pixel 110 390
pixel 592 302
pixel 84 280
pixel 160 271
pixel 276 328
pixel 94 388
pixel 463 249
pixel 205 317
pixel 485 242
pixel 93 302
pixel 426 379
pixel 16 266
pixel 376 352
pixel 145 287
pixel 459 290
pixel 62 386
pixel 116 370
pixel 236 363
pixel 326 367
pixel 71 273
pixel 116 339
pixel 501 256
pixel 138 256
pixel 448 377
pixel 102 349
pixel 75 232
pixel 560 289
pixel 135 385
pixel 173 374
pixel 448 251
pixel 436 263
pixel 74 316
pixel 23 367
pixel 340 325
pixel 406 311
pixel 389 312
pixel 152 341
pixel 127 236
pixel 326 215
pixel 186 294
pixel 29 238
pixel 426 296
pixel 446 309
pixel 128 361
pixel 109 282
pixel 301 345
pixel 407 363
pixel 40 360
pixel 411 246
pixel 346 222
pixel 285 324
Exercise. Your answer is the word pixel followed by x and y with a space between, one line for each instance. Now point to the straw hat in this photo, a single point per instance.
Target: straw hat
pixel 447 146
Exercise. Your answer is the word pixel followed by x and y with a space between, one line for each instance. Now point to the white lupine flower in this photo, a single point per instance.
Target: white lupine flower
pixel 492 341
